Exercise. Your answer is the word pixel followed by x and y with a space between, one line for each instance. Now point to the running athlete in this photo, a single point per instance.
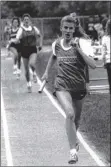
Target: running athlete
pixel 15 48
pixel 7 31
pixel 106 45
pixel 28 35
pixel 70 81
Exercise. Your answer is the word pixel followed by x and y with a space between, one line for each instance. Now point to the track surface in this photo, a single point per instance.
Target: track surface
pixel 37 135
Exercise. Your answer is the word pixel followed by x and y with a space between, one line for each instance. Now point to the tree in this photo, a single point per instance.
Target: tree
pixel 17 8
pixel 53 8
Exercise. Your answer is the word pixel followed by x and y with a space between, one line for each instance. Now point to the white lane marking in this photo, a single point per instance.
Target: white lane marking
pixel 100 92
pixel 86 146
pixel 6 135
pixel 89 150
pixel 99 87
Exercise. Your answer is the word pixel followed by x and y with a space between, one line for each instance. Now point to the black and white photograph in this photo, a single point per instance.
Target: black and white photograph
pixel 55 83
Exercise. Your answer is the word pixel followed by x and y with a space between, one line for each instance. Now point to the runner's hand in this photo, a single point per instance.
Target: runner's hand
pixel 45 77
pixel 75 43
pixel 40 48
pixel 8 44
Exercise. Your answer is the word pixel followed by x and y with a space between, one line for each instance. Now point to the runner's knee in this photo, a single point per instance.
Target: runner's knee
pixel 32 61
pixel 70 113
pixel 32 64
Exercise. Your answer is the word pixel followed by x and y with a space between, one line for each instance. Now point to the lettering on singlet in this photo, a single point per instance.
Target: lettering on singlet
pixel 13 33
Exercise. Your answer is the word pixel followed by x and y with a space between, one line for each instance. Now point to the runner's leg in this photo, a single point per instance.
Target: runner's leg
pixel 32 64
pixel 65 100
pixel 27 73
pixel 15 57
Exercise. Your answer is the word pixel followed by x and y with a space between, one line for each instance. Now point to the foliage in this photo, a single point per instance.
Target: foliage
pixel 53 8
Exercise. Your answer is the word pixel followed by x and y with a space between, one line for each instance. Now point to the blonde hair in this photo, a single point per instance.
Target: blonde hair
pixel 68 19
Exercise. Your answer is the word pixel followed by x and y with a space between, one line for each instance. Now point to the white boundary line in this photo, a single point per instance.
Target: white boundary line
pixel 86 146
pixel 99 86
pixel 6 135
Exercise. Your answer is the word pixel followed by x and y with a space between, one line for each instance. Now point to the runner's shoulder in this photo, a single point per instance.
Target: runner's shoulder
pixel 57 41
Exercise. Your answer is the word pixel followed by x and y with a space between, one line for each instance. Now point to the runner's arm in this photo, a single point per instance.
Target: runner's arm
pixel 86 51
pixel 38 34
pixel 51 62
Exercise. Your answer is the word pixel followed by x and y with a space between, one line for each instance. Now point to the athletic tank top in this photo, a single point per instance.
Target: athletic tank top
pixel 28 37
pixel 13 33
pixel 91 27
pixel 71 69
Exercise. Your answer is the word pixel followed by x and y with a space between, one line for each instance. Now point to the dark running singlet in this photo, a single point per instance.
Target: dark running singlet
pixel 28 37
pixel 13 33
pixel 71 67
pixel 13 36
pixel 28 42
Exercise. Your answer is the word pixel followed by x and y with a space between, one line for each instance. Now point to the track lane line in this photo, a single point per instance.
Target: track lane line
pixel 6 134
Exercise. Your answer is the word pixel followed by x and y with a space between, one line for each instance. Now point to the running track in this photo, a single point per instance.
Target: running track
pixel 32 128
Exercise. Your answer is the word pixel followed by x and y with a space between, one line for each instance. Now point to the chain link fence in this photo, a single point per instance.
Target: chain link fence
pixel 49 27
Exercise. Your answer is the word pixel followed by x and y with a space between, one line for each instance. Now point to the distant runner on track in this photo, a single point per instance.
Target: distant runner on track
pixel 28 35
pixel 15 48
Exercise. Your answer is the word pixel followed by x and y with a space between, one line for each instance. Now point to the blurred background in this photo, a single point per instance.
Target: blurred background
pixel 59 8
pixel 47 21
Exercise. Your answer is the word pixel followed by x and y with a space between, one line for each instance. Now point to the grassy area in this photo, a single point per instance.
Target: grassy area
pixel 95 123
pixel 95 119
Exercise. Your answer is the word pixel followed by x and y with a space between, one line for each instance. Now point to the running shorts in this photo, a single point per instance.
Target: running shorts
pixel 16 46
pixel 27 51
pixel 79 95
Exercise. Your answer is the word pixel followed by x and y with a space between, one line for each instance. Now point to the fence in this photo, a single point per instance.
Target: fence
pixel 50 30
pixel 49 27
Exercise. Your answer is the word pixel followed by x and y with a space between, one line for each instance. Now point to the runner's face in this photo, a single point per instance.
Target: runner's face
pixel 67 30
pixel 15 23
pixel 26 21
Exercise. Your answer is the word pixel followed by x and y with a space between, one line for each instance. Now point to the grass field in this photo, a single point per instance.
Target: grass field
pixel 95 119
pixel 95 123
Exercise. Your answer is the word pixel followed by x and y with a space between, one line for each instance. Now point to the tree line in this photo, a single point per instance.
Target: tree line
pixel 53 8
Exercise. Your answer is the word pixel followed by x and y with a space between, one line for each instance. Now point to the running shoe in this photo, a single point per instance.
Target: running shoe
pixel 34 78
pixel 14 72
pixel 29 89
pixel 15 69
pixel 18 73
pixel 73 158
